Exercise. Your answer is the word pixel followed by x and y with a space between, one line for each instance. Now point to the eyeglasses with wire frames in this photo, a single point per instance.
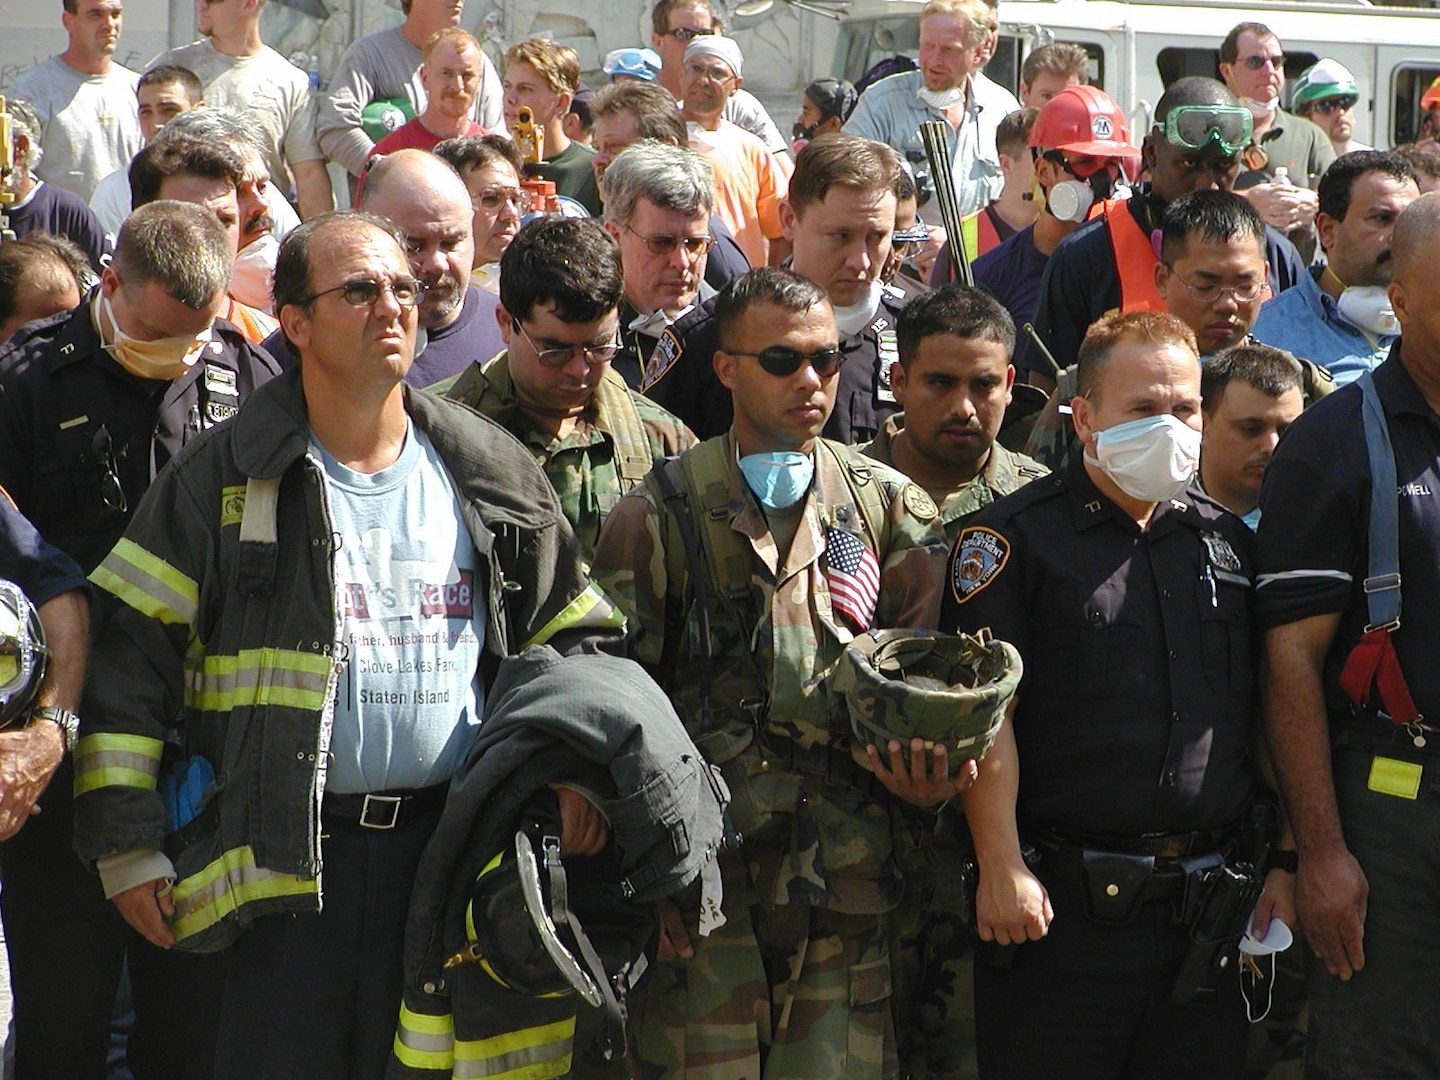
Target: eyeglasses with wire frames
pixel 594 355
pixel 718 74
pixel 112 493
pixel 665 244
pixel 1209 292
pixel 781 361
pixel 364 292
pixel 491 200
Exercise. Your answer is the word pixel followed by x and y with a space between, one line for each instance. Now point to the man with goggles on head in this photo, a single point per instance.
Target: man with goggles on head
pixel 553 387
pixel 806 544
pixel 1252 64
pixel 1108 264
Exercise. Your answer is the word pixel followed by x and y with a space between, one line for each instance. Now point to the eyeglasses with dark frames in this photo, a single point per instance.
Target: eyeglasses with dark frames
pixel 553 358
pixel 364 292
pixel 112 493
pixel 781 361
pixel 687 33
pixel 665 244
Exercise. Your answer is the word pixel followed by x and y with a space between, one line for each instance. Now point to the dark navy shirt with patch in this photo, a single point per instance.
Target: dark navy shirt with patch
pixel 1137 701
pixel 1313 546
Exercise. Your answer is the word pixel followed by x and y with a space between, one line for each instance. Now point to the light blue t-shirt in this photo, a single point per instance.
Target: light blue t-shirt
pixel 410 697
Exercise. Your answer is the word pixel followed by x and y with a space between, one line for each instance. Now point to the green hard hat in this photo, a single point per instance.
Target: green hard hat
pixel 1322 80
pixel 384 115
pixel 948 689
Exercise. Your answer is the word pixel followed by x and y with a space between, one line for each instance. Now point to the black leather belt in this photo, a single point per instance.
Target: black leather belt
pixel 383 809
pixel 1161 845
pixel 1166 881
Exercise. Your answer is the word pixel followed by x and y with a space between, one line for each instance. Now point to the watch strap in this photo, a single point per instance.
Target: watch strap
pixel 69 723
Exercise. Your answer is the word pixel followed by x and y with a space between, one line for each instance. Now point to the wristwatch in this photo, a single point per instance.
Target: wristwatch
pixel 1279 859
pixel 68 721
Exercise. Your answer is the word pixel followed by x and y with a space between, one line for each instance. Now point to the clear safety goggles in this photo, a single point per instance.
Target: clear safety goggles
pixel 1194 127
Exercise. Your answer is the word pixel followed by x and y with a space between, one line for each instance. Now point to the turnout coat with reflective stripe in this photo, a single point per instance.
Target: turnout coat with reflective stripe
pixel 220 637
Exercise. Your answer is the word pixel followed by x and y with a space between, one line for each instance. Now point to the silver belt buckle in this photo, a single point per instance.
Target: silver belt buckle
pixel 385 813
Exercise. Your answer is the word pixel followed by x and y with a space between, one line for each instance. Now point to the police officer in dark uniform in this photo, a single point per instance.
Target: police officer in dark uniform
pixel 840 217
pixel 92 404
pixel 1124 764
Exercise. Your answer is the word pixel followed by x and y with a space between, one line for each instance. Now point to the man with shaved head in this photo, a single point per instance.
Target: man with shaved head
pixel 1350 530
pixel 427 201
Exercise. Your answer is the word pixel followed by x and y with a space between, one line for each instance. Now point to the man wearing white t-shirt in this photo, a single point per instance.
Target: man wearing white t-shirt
pixel 238 69
pixel 82 97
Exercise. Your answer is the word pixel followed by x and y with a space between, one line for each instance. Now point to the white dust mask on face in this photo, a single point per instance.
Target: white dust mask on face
pixel 1368 307
pixel 1150 459
pixel 253 271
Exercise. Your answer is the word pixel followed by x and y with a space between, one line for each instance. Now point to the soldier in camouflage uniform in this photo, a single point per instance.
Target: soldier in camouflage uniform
pixel 744 567
pixel 552 388
pixel 954 380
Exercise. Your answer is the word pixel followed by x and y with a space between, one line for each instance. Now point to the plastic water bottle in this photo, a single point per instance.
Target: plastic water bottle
pixel 1282 177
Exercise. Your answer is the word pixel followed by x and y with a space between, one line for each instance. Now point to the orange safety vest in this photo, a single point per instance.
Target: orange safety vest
pixel 1135 258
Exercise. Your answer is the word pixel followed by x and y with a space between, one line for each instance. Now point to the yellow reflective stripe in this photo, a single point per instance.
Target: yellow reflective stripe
pixel 536 1053
pixel 203 899
pixel 111 760
pixel 970 235
pixel 470 935
pixel 425 1042
pixel 148 584
pixel 259 677
pixel 591 608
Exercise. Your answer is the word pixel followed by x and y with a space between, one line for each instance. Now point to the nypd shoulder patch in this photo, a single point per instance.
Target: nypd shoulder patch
pixel 980 555
pixel 667 352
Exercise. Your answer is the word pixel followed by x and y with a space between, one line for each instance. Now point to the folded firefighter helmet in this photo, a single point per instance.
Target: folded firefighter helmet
pixel 23 655
pixel 946 689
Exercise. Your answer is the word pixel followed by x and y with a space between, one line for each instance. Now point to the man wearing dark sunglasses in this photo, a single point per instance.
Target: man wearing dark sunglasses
pixel 1108 264
pixel 1252 63
pixel 1326 94
pixel 554 387
pixel 802 544
pixel 321 615
pixel 96 402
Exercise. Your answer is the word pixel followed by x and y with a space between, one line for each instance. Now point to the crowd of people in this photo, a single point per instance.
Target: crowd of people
pixel 449 599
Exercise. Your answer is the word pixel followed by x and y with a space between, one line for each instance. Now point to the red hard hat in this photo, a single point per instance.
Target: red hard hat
pixel 1431 97
pixel 1083 120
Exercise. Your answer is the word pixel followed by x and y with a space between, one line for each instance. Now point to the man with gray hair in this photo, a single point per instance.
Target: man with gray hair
pixel 93 403
pixel 42 207
pixel 658 201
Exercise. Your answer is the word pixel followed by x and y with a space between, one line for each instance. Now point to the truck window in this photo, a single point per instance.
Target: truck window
pixel 1408 84
pixel 1177 62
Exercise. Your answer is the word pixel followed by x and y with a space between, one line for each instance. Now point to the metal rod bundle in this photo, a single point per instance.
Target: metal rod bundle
pixel 935 134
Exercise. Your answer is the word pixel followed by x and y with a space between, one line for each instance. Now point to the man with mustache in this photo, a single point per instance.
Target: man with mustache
pixel 426 199
pixel 450 69
pixel 1340 315
pixel 658 200
pixel 82 98
pixel 382 71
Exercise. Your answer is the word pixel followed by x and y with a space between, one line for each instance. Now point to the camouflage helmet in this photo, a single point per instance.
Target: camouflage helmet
pixel 950 689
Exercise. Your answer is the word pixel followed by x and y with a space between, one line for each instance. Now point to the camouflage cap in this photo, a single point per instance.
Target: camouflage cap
pixel 950 689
